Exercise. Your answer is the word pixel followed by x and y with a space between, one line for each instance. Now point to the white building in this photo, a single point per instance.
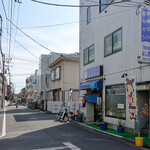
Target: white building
pixel 43 78
pixel 110 43
pixel 31 85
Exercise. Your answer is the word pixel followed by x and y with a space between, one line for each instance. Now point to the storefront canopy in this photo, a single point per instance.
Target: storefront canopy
pixel 96 84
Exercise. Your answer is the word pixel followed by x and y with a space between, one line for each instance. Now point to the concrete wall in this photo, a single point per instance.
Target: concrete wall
pixel 54 106
pixel 71 74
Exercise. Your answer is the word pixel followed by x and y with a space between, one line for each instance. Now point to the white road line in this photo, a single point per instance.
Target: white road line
pixel 53 148
pixel 69 145
pixel 4 124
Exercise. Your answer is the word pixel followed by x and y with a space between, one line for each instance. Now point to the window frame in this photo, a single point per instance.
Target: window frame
pixel 100 2
pixel 56 78
pixel 88 55
pixel 88 14
pixel 121 84
pixel 113 52
pixel 53 74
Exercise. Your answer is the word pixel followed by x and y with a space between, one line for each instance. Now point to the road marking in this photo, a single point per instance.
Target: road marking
pixel 67 145
pixel 53 148
pixel 4 124
pixel 32 118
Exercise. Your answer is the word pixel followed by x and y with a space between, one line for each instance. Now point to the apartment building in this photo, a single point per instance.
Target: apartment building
pixel 111 50
pixel 64 78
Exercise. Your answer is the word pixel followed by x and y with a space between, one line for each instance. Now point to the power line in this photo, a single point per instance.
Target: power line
pixel 24 47
pixel 28 61
pixel 29 36
pixel 22 74
pixel 60 24
pixel 16 28
pixel 52 4
pixel 116 5
pixel 24 32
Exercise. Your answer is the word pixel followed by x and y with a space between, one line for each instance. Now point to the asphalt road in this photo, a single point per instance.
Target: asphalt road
pixel 28 129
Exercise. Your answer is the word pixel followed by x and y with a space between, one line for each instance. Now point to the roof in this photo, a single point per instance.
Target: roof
pixel 73 56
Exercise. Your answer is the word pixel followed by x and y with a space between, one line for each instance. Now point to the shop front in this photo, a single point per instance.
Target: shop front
pixel 130 101
pixel 91 91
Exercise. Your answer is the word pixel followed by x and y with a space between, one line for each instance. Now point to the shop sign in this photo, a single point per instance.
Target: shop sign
pixel 130 84
pixel 120 106
pixel 141 87
pixel 145 36
pixel 94 72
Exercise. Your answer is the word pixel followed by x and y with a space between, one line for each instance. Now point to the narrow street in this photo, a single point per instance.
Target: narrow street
pixel 28 129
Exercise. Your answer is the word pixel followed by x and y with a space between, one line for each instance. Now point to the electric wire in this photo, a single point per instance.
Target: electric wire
pixel 16 28
pixel 79 6
pixel 25 33
pixel 29 36
pixel 10 28
pixel 61 24
pixel 116 5
pixel 24 47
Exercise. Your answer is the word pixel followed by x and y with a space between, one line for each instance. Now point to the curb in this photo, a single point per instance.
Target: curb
pixel 1 110
pixel 117 136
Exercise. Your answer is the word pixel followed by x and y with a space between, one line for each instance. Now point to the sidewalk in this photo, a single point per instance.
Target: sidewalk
pixel 126 136
pixel 1 120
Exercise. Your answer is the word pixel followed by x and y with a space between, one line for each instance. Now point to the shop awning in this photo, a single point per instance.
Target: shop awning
pixel 96 84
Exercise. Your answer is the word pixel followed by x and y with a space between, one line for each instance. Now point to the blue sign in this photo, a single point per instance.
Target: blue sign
pixel 93 72
pixel 145 21
pixel 145 35
pixel 70 93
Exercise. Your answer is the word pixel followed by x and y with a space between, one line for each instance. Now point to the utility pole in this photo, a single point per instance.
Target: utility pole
pixel 3 83
pixel 3 61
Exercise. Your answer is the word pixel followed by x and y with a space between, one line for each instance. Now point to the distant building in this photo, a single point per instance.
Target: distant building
pixel 43 75
pixel 22 95
pixel 31 84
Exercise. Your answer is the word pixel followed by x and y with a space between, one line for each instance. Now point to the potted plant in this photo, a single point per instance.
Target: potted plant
pixel 73 117
pixel 120 127
pixel 103 125
pixel 80 117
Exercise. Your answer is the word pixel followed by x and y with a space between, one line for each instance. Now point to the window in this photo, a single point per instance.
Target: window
pixel 55 74
pixel 115 97
pixel 108 45
pixel 91 53
pixel 88 55
pixel 117 41
pixel 113 42
pixel 88 15
pixel 52 75
pixel 102 4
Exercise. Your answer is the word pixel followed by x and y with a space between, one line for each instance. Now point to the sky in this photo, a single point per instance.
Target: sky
pixel 62 38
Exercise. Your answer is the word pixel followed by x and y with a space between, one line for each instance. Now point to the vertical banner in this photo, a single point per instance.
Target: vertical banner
pixel 70 95
pixel 145 35
pixel 131 98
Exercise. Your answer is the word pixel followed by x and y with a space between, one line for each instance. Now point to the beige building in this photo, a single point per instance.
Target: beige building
pixel 64 76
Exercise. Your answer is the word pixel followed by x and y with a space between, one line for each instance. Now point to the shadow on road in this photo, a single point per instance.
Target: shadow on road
pixel 55 136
